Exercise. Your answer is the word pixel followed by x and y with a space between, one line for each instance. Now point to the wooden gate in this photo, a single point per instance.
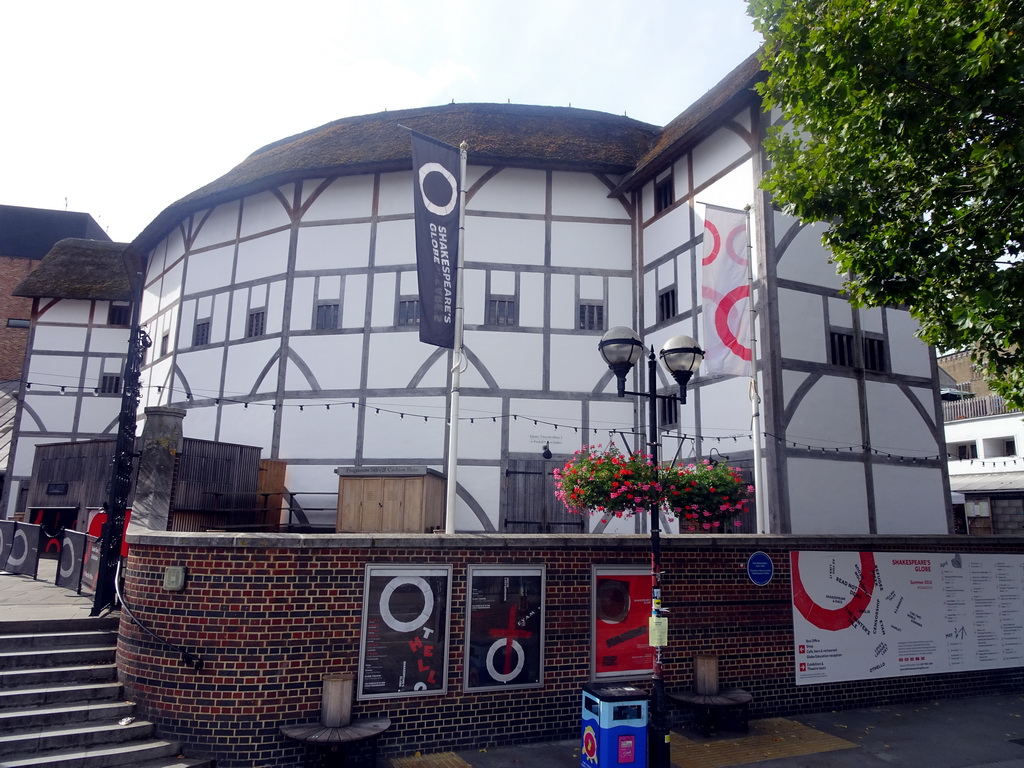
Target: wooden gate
pixel 529 501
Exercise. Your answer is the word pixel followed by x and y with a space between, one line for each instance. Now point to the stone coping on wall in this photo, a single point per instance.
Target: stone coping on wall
pixel 520 541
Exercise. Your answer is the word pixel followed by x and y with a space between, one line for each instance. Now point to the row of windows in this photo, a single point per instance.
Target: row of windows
pixel 500 311
pixel 994 447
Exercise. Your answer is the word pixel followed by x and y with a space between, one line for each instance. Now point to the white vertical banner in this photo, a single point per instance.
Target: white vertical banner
pixel 725 290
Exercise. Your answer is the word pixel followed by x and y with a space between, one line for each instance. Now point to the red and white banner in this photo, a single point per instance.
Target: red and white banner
pixel 726 293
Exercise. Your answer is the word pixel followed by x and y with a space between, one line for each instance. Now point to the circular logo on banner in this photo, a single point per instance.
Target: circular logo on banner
pixel 725 333
pixel 716 242
pixel 19 549
pixel 438 188
pixel 835 618
pixel 67 558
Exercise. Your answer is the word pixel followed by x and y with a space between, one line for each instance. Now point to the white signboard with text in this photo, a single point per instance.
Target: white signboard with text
pixel 865 615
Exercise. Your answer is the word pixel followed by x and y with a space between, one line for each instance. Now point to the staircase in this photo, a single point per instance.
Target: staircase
pixel 61 704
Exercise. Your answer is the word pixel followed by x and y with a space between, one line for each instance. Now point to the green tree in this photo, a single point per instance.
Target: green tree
pixel 910 142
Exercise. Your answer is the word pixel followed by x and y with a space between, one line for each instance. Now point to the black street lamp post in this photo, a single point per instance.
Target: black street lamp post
pixel 119 487
pixel 621 348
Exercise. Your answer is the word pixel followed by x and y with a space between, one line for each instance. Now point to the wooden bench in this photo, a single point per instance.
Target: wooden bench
pixel 726 709
pixel 334 741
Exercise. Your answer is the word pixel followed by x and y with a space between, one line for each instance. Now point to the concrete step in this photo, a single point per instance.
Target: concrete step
pixel 11 643
pixel 153 753
pixel 60 701
pixel 58 657
pixel 56 694
pixel 82 737
pixel 65 715
pixel 53 626
pixel 24 678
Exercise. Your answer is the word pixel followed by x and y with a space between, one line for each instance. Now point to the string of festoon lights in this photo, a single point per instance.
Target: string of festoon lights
pixel 195 399
pixel 192 397
pixel 843 448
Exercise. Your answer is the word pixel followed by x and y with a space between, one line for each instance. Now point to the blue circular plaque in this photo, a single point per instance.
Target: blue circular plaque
pixel 760 568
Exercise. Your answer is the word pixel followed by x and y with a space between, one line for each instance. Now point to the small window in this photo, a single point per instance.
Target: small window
pixel 119 314
pixel 110 385
pixel 841 348
pixel 501 311
pixel 201 333
pixel 667 307
pixel 165 344
pixel 668 412
pixel 874 355
pixel 327 316
pixel 256 326
pixel 664 193
pixel 408 312
pixel 591 317
pixel 967 451
pixel 17 322
pixel 1010 447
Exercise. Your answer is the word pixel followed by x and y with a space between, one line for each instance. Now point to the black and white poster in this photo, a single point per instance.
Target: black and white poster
pixel 504 627
pixel 436 171
pixel 404 640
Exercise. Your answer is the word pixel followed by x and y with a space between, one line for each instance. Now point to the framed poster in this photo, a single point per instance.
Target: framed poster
pixel 403 648
pixel 504 627
pixel 620 600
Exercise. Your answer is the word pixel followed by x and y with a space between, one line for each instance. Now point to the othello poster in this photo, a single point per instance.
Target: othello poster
pixel 621 601
pixel 505 646
pixel 404 648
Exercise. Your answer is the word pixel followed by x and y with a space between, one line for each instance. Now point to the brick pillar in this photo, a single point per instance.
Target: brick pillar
pixel 158 449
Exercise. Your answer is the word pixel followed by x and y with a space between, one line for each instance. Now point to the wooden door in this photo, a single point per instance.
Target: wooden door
pixel 530 505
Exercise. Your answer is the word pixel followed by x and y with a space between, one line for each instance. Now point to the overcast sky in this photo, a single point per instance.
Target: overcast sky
pixel 119 108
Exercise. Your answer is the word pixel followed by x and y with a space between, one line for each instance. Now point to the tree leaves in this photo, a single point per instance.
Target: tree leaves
pixel 901 125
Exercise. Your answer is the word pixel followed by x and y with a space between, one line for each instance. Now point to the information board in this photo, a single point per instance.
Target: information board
pixel 505 627
pixel 403 648
pixel 864 615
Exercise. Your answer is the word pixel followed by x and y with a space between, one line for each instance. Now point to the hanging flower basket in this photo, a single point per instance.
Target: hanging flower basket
pixel 705 497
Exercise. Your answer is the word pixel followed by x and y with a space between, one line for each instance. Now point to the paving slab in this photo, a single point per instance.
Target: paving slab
pixel 23 598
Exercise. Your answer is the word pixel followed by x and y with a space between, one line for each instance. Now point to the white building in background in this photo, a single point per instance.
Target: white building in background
pixel 281 300
pixel 984 438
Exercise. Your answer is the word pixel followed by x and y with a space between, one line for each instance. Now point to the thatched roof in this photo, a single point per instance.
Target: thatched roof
pixel 561 138
pixel 84 269
pixel 727 97
pixel 556 138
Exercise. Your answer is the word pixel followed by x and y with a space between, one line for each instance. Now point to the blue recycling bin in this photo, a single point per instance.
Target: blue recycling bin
pixel 614 726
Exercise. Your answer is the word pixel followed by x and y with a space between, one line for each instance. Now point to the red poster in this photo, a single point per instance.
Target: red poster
pixel 622 606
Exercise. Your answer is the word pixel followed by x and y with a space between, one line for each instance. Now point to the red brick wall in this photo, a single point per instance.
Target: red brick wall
pixel 13 340
pixel 270 619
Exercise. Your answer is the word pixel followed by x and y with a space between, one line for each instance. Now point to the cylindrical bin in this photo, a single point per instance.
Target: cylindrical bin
pixel 336 702
pixel 614 726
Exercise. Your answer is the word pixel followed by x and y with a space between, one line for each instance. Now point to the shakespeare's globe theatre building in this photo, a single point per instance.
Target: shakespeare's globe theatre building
pixel 282 304
pixel 282 298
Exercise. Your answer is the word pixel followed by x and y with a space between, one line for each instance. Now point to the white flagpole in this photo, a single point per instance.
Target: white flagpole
pixel 755 396
pixel 453 411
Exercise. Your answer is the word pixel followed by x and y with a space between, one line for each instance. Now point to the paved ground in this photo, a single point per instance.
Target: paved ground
pixel 22 599
pixel 984 732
